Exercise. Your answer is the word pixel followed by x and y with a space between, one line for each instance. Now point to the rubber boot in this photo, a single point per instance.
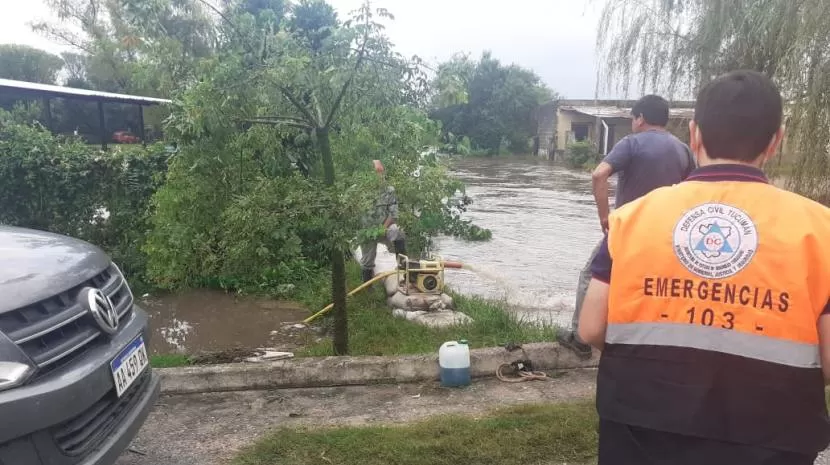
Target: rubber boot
pixel 368 274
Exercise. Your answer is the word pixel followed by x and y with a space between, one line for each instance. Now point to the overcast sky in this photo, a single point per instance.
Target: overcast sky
pixel 555 38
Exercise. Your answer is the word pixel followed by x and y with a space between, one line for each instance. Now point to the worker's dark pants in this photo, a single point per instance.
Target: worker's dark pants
pixel 621 444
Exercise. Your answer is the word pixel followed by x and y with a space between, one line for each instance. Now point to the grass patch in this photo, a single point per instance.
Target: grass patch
pixel 169 360
pixel 521 435
pixel 374 331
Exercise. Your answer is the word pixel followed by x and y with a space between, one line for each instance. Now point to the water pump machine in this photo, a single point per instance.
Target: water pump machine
pixel 424 276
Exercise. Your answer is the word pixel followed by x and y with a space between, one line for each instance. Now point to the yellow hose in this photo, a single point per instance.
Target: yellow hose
pixel 355 291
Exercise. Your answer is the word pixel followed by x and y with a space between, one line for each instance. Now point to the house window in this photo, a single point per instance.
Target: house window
pixel 580 131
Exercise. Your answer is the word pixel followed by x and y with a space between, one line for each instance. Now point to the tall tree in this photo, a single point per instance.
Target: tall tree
pixel 25 63
pixel 76 66
pixel 452 80
pixel 134 46
pixel 488 102
pixel 676 46
pixel 313 20
pixel 270 84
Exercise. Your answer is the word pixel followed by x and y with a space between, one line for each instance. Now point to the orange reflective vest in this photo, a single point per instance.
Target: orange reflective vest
pixel 716 287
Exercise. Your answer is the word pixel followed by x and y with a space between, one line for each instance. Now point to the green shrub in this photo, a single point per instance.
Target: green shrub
pixel 582 154
pixel 456 145
pixel 62 185
pixel 236 211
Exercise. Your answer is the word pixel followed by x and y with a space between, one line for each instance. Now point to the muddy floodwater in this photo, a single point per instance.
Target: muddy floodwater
pixel 207 320
pixel 544 223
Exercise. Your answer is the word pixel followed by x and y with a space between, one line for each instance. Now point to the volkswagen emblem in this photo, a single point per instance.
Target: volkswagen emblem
pixel 102 310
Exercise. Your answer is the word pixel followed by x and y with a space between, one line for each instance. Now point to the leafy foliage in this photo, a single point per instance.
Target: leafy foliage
pixel 456 145
pixel 141 47
pixel 305 76
pixel 64 186
pixel 581 154
pixel 676 46
pixel 25 63
pixel 492 104
pixel 248 203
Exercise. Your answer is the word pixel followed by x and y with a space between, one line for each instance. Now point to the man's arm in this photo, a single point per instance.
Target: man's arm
pixel 599 180
pixel 615 161
pixel 824 342
pixel 593 319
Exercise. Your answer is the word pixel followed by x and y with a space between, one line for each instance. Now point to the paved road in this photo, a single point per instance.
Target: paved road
pixel 207 429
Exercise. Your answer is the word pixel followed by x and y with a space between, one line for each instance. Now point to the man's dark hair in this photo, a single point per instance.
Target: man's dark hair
pixel 654 110
pixel 738 114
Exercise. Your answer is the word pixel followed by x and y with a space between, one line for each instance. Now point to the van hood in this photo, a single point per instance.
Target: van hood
pixel 37 265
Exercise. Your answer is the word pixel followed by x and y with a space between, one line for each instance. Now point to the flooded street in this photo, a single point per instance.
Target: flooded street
pixel 210 320
pixel 544 224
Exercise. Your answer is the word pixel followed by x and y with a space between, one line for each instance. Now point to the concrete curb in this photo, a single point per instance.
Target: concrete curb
pixel 345 371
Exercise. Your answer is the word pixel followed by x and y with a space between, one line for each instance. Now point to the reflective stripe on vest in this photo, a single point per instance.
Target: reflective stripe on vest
pixel 716 340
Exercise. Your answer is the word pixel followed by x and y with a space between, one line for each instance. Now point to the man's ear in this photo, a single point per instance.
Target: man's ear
pixel 774 144
pixel 695 139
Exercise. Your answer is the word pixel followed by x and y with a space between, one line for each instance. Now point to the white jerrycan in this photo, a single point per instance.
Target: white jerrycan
pixel 454 361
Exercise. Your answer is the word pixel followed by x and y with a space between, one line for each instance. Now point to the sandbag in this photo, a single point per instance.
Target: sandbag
pixel 426 302
pixel 391 285
pixel 439 319
pixel 446 299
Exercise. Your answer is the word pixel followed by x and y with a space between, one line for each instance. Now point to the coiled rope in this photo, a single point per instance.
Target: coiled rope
pixel 521 375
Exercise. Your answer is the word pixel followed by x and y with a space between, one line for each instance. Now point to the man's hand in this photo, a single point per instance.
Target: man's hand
pixel 603 221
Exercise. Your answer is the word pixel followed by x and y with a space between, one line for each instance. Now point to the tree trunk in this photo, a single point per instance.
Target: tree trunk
pixel 338 294
pixel 338 263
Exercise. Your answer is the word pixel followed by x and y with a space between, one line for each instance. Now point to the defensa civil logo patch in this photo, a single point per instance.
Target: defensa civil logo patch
pixel 715 240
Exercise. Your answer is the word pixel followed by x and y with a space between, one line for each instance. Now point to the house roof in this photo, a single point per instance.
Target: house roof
pixel 621 112
pixel 45 90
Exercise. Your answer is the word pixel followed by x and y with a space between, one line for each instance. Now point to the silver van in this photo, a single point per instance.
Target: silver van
pixel 75 379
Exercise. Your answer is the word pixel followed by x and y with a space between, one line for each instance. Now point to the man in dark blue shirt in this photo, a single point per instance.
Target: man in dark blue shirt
pixel 649 158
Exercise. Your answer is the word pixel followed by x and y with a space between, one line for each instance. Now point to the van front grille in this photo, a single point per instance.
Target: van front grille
pixel 55 331
pixel 87 430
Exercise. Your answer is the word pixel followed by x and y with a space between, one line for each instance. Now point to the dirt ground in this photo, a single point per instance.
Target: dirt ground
pixel 207 429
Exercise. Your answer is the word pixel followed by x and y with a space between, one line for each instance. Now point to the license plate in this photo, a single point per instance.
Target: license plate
pixel 129 364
